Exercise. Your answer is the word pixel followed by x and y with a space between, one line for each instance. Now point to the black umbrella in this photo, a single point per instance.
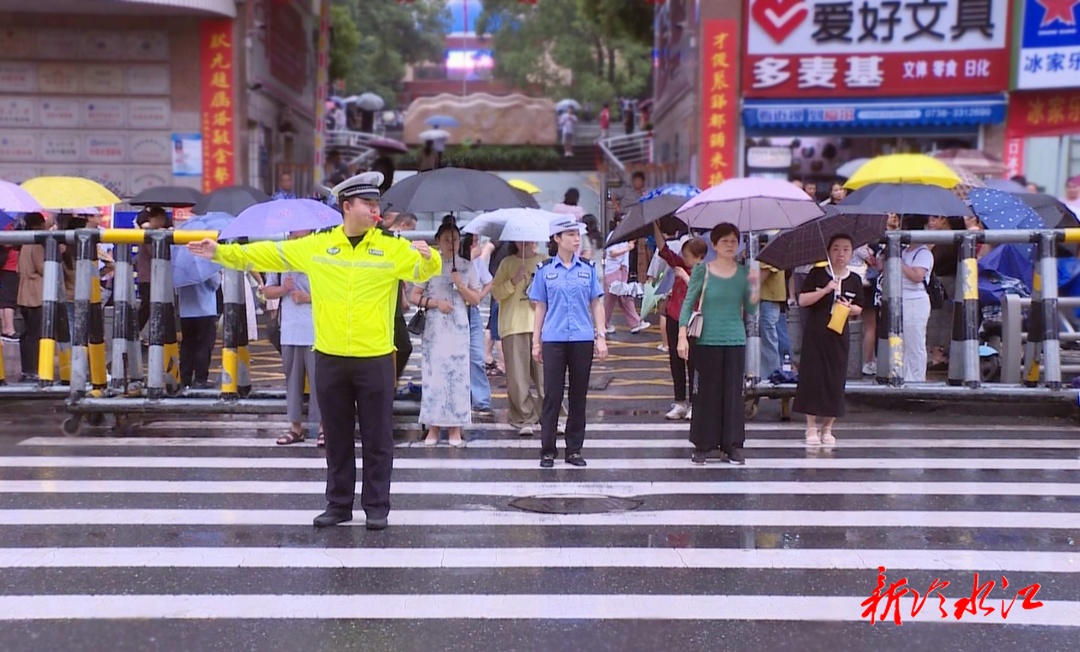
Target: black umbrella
pixel 639 220
pixel 232 200
pixel 449 190
pixel 1054 213
pixel 171 196
pixel 805 244
pixel 528 201
pixel 1008 185
pixel 904 199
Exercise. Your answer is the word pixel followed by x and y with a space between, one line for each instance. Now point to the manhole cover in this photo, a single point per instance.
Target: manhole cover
pixel 566 504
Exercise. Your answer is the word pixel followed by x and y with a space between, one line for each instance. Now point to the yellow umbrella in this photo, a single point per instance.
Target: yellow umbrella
pixel 69 193
pixel 903 168
pixel 524 186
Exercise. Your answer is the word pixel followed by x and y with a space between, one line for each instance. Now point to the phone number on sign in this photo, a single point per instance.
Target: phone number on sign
pixel 974 112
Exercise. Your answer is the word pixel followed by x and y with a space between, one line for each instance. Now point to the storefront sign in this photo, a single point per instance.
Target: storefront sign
pixel 17 77
pixel 18 146
pixel 778 158
pixel 106 148
pixel 103 79
pixel 1050 45
pixel 830 48
pixel 110 114
pixel 58 78
pixel 856 114
pixel 219 150
pixel 17 112
pixel 61 147
pixel 720 99
pixel 1044 113
pixel 59 112
pixel 148 114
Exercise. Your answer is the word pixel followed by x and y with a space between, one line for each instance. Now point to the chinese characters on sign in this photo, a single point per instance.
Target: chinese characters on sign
pixel 973 604
pixel 719 102
pixel 875 47
pixel 1044 113
pixel 218 149
pixel 1049 45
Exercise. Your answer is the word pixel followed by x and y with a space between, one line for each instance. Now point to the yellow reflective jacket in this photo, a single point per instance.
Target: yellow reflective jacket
pixel 354 290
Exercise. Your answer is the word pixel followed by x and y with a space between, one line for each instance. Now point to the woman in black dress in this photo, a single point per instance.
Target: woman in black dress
pixel 823 366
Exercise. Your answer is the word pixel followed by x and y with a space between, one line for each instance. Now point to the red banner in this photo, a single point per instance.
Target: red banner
pixel 720 101
pixel 1044 113
pixel 1014 157
pixel 218 100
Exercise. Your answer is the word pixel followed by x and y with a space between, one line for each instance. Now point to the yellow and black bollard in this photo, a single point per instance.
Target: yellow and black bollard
pixel 964 367
pixel 164 362
pixel 243 350
pixel 233 295
pixel 55 337
pixel 172 342
pixel 126 350
pixel 890 367
pixel 1044 347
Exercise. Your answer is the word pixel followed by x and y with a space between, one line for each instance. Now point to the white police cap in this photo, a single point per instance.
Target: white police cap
pixel 365 184
pixel 564 224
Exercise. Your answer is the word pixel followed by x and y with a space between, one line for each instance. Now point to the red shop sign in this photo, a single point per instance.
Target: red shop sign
pixel 827 48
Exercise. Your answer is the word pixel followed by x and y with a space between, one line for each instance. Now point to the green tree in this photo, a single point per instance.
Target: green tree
pixel 591 50
pixel 375 40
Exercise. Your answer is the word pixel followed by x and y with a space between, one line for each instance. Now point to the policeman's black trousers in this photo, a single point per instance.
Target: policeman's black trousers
pixel 402 343
pixel 559 357
pixel 348 388
pixel 196 348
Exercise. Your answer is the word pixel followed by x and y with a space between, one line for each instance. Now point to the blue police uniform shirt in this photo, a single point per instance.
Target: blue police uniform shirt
pixel 567 291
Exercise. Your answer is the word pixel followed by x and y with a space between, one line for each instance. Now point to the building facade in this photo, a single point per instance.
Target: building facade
pixel 140 93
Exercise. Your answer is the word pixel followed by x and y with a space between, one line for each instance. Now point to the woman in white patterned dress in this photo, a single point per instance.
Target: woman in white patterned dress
pixel 445 401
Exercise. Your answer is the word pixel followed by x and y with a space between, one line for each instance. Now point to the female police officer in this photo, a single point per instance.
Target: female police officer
pixel 354 270
pixel 569 319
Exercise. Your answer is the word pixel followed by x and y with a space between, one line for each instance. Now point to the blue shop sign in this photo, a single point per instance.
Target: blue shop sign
pixel 855 114
pixel 1049 45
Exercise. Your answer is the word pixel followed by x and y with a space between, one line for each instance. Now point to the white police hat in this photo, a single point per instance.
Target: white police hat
pixel 564 224
pixel 365 184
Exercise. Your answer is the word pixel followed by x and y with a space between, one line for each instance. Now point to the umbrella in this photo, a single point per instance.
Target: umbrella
pixel 232 200
pixel 1000 210
pixel 851 167
pixel 1054 213
pixel 514 225
pixel 281 216
pixel 904 199
pixel 387 144
pixel 1008 185
pixel 659 205
pixel 527 200
pixel 369 102
pixel 66 193
pixel 434 134
pixel 189 269
pixel 524 186
pixel 5 220
pixel 903 168
pixel 650 299
pixel 172 196
pixel 806 244
pixel 967 181
pixel 438 121
pixel 568 103
pixel 751 204
pixel 451 190
pixel 974 160
pixel 14 198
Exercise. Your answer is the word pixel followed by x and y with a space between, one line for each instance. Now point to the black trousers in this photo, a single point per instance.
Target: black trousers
pixel 402 343
pixel 348 388
pixel 144 305
pixel 30 340
pixel 196 348
pixel 719 417
pixel 682 371
pixel 559 357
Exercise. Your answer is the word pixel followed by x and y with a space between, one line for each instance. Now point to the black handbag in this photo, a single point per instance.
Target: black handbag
pixel 935 289
pixel 417 323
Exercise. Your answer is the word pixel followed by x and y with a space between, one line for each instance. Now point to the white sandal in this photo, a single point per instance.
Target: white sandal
pixel 812 437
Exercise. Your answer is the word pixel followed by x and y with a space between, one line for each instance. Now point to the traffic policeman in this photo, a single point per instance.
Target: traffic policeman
pixel 568 325
pixel 354 270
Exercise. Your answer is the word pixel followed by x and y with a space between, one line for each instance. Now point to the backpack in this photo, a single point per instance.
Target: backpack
pixel 935 289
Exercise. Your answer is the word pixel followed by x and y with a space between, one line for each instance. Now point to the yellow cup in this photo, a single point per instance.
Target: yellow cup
pixel 838 320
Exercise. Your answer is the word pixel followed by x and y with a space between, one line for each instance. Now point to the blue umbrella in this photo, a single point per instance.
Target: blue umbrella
pixel 439 121
pixel 658 205
pixel 189 269
pixel 5 220
pixel 1001 210
pixel 281 216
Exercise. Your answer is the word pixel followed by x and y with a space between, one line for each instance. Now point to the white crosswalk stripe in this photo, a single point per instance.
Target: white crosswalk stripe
pixel 193 529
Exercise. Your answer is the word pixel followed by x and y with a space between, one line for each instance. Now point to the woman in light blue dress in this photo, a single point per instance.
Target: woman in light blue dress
pixel 445 401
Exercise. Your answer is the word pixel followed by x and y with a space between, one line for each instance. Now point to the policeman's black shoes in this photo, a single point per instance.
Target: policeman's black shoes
pixel 376 523
pixel 547 461
pixel 332 517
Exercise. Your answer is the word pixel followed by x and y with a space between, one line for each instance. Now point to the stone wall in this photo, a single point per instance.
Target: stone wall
pixel 493 120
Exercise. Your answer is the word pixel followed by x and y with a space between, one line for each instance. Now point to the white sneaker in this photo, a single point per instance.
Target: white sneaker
pixel 526 431
pixel 870 368
pixel 689 413
pixel 677 413
pixel 640 327
pixel 662 348
pixel 610 330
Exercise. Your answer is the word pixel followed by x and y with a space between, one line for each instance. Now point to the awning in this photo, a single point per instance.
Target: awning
pixel 853 114
pixel 199 8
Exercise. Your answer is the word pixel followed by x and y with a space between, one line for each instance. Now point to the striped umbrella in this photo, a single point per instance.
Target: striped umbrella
pixel 974 160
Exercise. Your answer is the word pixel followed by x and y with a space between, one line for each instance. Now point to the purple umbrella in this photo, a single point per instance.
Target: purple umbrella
pixel 751 204
pixel 14 199
pixel 281 216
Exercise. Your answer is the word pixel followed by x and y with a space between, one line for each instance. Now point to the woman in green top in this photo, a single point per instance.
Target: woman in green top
pixel 727 291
